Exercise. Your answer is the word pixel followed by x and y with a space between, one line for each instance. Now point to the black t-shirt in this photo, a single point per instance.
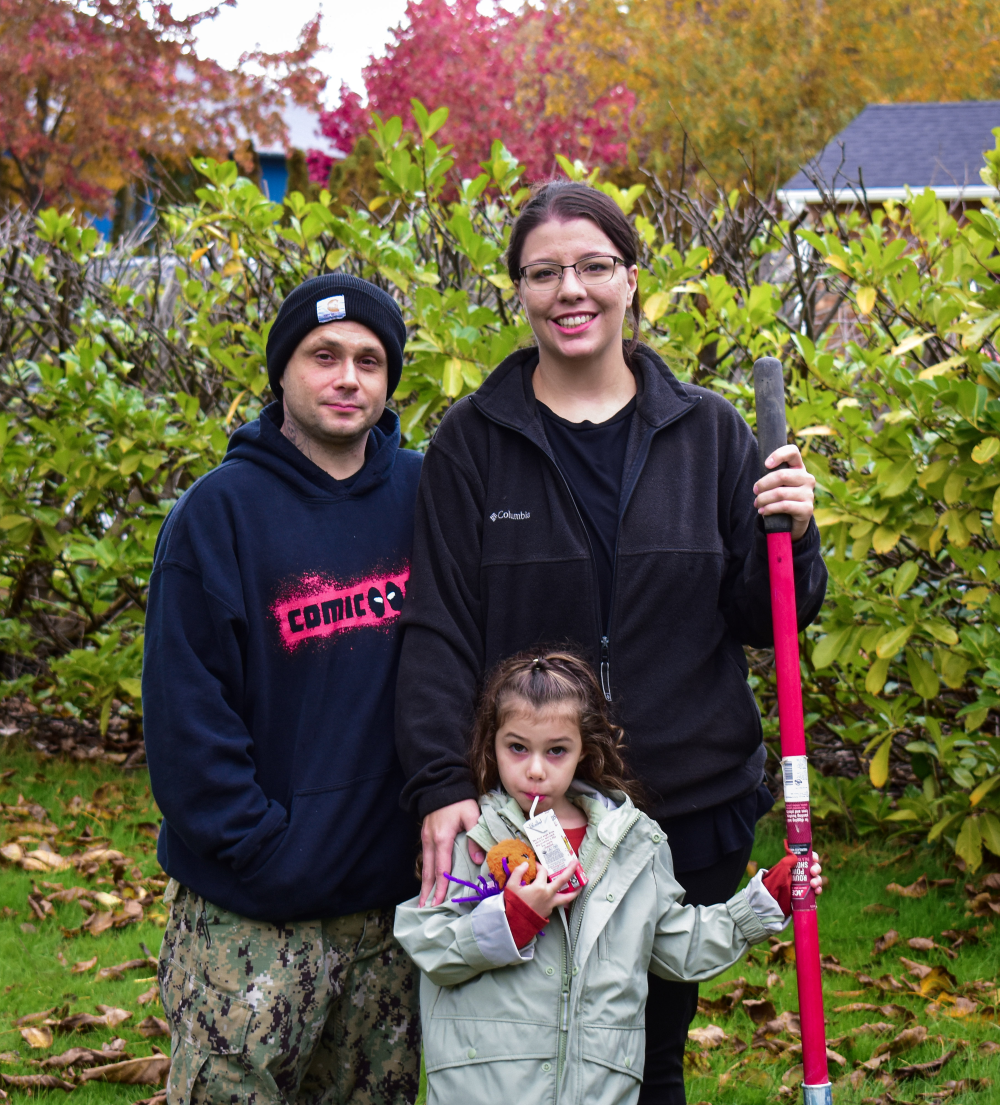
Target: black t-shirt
pixel 592 458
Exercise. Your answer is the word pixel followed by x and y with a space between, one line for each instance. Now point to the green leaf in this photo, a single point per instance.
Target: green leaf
pixel 828 648
pixel 969 845
pixel 904 578
pixel 451 380
pixel 876 676
pixel 986 450
pixel 922 676
pixel 132 687
pixel 890 643
pixel 944 825
pixel 989 828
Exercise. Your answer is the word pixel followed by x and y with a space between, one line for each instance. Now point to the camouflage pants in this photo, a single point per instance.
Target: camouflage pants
pixel 314 1012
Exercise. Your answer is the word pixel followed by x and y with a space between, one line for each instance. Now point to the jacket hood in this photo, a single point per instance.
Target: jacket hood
pixel 507 397
pixel 262 443
pixel 610 816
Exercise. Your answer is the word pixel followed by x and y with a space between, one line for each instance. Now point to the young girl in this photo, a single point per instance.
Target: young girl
pixel 537 994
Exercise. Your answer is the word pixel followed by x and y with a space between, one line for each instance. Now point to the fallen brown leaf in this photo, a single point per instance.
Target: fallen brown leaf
pixel 960 937
pixel 908 1038
pixel 710 1036
pixel 34 1018
pixel 897 1011
pixel 774 980
pixel 759 1011
pixel 156 1026
pixel 10 1057
pixel 83 965
pixel 793 1076
pixel 99 922
pixel 152 994
pixel 923 1069
pixel 132 965
pixel 37 1036
pixel 37 1082
pixel 918 970
pixel 991 881
pixel 782 951
pixel 878 907
pixel 84 1056
pixel 916 889
pixel 113 1015
pixel 961 1007
pixel 151 1070
pixel 831 964
pixel 883 943
pixel 698 1061
pixel 988 1047
pixel 953 1088
pixel 156 1099
pixel 941 884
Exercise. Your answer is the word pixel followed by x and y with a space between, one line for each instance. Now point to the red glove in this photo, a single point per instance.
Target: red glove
pixel 778 882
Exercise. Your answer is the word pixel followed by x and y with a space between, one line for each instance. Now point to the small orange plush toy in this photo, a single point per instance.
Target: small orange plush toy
pixel 503 857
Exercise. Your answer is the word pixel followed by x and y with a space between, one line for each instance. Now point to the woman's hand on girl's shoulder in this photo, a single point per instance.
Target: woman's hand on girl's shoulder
pixel 788 490
pixel 541 895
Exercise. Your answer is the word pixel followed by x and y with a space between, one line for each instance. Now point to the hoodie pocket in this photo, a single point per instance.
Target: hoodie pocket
pixel 337 837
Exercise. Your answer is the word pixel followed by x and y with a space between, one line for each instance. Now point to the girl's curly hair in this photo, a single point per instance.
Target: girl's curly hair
pixel 551 679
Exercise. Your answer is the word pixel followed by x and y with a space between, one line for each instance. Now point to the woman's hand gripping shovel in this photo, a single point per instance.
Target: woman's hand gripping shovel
pixel 769 387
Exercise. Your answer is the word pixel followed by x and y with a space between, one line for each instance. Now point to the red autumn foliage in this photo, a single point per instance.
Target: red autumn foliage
pixel 492 72
pixel 92 90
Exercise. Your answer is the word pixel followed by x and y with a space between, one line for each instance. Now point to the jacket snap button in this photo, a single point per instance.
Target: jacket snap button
pixel 611 897
pixel 576 971
pixel 550 970
pixel 546 1067
pixel 657 838
pixel 471 1053
pixel 628 1062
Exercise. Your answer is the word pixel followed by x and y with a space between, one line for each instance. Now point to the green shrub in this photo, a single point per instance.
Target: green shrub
pixel 124 370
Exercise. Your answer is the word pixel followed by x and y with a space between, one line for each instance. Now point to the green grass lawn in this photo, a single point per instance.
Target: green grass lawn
pixel 849 926
pixel 35 956
pixel 91 804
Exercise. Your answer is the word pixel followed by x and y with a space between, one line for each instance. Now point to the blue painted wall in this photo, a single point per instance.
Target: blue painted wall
pixel 274 175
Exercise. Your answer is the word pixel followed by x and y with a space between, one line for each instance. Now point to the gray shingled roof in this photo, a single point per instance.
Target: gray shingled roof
pixel 920 145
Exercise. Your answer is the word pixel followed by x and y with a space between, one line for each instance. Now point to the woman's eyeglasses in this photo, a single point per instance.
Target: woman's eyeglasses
pixel 544 275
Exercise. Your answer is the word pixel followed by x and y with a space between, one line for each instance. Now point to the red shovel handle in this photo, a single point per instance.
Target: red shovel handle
pixel 771 434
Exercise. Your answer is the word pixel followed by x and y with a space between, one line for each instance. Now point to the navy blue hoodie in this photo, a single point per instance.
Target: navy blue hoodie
pixel 268 688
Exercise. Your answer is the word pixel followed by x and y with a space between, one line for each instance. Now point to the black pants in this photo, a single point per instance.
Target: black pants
pixel 671 1006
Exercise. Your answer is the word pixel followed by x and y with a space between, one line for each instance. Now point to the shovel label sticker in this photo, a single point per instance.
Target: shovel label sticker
pixel 795 776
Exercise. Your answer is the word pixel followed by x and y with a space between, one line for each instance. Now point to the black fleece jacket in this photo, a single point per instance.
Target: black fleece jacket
pixel 502 562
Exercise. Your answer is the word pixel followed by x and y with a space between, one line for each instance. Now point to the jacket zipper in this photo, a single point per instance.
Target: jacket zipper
pixel 603 632
pixel 563 1008
pixel 569 945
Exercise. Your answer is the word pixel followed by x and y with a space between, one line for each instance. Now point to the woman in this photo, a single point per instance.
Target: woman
pixel 586 496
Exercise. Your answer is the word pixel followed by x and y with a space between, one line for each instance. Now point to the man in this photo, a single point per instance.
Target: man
pixel 272 646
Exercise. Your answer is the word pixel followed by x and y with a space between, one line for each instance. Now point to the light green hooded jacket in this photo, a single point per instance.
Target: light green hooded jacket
pixel 563 1020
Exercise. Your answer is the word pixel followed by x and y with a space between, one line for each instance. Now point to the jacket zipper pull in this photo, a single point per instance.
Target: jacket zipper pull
pixel 605 669
pixel 565 1011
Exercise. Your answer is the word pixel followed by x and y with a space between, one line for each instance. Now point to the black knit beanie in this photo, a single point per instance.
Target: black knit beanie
pixel 329 298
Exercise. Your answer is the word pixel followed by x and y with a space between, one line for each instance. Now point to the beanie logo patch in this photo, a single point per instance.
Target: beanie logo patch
pixel 330 309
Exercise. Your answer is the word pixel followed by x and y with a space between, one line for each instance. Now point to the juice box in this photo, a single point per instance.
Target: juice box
pixel 552 848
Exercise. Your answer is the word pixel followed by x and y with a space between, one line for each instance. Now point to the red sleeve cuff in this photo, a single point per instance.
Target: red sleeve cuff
pixel 525 923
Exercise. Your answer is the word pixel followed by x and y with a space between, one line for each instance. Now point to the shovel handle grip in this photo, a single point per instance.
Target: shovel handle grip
pixel 772 433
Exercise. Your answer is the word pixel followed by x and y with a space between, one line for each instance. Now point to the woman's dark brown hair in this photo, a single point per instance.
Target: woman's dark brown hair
pixel 543 680
pixel 563 200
